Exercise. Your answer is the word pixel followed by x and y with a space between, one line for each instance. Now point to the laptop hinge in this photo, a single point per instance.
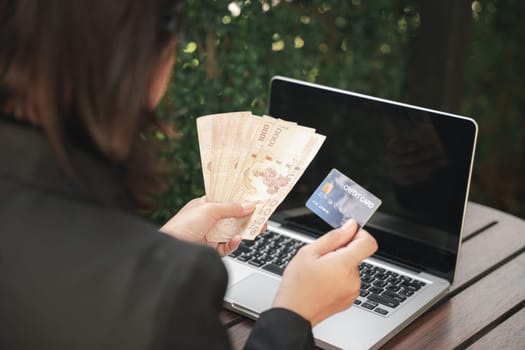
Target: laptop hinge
pixel 398 263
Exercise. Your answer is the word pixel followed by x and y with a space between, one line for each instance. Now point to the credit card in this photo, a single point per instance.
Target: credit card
pixel 339 199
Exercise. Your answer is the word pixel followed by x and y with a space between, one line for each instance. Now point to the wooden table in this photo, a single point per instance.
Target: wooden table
pixel 485 306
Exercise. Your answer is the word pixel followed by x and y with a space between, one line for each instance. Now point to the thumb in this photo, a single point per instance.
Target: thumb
pixel 229 210
pixel 335 239
pixel 228 247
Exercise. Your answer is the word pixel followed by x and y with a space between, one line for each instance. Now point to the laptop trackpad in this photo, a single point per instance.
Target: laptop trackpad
pixel 254 293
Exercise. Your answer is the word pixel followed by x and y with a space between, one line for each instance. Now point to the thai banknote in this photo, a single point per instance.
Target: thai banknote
pixel 251 159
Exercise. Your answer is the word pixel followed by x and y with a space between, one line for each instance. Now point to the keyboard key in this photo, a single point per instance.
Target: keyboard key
pixel 394 295
pixel 274 269
pixel 379 283
pixel 367 278
pixel 382 299
pixel 244 257
pixel 235 253
pixel 381 276
pixel 368 305
pixel 369 271
pixel 411 286
pixel 363 293
pixel 393 288
pixel 395 281
pixel 357 302
pixel 255 262
pixel 406 292
pixel 243 249
pixel 376 290
pixel 381 311
pixel 421 283
pixel 247 243
pixel 267 258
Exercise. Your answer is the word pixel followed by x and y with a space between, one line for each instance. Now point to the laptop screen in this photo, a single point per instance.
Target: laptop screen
pixel 417 161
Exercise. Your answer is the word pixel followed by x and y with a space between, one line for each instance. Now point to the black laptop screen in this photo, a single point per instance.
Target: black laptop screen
pixel 416 161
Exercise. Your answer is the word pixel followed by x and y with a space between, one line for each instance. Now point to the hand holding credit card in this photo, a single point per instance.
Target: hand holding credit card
pixel 339 199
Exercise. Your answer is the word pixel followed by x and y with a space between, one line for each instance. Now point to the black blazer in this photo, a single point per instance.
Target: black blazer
pixel 79 271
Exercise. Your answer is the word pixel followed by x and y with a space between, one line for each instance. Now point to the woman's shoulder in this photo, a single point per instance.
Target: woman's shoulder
pixel 72 257
pixel 92 230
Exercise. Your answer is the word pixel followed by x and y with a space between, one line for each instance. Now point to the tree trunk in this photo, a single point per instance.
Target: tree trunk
pixel 436 70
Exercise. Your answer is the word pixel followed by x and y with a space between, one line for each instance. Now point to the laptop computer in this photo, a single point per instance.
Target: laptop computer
pixel 416 160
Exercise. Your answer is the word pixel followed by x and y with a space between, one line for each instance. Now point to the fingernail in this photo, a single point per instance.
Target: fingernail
pixel 349 224
pixel 248 207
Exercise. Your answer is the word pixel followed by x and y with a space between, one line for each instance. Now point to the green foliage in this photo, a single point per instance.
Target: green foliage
pixel 495 96
pixel 231 50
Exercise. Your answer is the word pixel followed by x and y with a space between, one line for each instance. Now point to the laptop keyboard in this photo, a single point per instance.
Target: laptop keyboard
pixel 382 291
pixel 269 251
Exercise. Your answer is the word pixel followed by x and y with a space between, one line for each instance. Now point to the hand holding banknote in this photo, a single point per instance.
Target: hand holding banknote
pixel 194 221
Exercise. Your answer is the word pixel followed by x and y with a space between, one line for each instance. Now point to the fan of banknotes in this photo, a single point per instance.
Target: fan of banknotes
pixel 251 159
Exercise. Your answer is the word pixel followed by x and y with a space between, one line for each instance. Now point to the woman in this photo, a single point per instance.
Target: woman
pixel 79 81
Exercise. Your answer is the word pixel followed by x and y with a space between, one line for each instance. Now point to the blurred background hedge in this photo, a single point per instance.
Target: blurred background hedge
pixel 458 56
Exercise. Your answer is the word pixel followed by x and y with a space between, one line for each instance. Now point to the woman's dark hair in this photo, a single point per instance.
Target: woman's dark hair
pixel 89 65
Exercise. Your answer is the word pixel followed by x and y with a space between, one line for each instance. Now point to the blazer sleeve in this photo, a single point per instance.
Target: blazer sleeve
pixel 194 300
pixel 280 328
